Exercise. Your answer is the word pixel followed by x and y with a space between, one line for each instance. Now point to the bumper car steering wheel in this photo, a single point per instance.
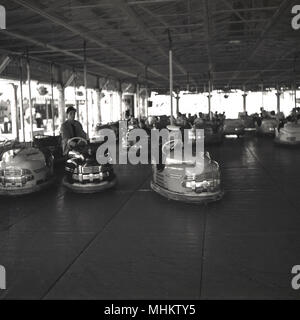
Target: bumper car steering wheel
pixel 77 142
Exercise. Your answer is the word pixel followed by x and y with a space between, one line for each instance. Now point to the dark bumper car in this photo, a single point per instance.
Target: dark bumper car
pixel 234 127
pixel 52 143
pixel 83 174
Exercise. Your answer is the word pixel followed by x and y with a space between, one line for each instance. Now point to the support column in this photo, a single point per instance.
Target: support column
pixel 177 103
pixel 143 107
pixel 209 98
pixel 245 102
pixel 21 102
pixel 138 101
pixel 61 104
pixel 85 86
pixel 147 102
pixel 30 100
pixel 278 94
pixel 52 100
pixel 111 107
pixel 14 113
pixel 121 104
pixel 171 74
pixel 98 105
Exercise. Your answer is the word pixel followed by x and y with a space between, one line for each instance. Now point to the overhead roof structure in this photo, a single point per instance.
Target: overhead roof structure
pixel 235 43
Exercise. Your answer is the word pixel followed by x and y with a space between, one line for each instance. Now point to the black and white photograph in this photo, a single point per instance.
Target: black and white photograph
pixel 149 151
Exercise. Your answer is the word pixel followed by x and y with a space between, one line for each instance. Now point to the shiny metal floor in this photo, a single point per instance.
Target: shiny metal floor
pixel 131 243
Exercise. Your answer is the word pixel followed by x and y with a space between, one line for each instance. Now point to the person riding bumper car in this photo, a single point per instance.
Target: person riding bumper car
pixel 83 173
pixel 24 169
pixel 187 180
pixel 288 135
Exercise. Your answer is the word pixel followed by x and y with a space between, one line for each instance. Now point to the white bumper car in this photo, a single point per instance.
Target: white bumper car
pixel 24 169
pixel 289 135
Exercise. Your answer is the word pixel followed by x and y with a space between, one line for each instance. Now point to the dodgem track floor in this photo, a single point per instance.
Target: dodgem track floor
pixel 130 243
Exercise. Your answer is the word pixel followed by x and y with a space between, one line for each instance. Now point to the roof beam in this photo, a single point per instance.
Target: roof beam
pixel 269 26
pixel 84 35
pixel 136 20
pixel 67 53
pixel 233 10
pixel 4 64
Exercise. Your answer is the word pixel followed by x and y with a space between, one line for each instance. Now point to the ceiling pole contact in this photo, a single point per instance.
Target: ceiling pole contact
pixel 29 93
pixel 171 74
pixel 21 100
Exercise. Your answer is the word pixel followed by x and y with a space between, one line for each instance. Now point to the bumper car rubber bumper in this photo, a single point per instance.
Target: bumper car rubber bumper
pixel 90 187
pixel 19 191
pixel 189 198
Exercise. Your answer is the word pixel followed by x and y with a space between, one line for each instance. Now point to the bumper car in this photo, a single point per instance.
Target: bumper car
pixel 52 143
pixel 213 134
pixel 180 179
pixel 83 174
pixel 24 169
pixel 289 135
pixel 234 127
pixel 267 127
pixel 248 122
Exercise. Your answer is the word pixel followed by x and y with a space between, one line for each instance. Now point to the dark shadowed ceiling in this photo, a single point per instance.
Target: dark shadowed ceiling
pixel 233 43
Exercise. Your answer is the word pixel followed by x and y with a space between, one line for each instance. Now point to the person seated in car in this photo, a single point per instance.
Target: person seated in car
pixel 264 113
pixel 71 128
